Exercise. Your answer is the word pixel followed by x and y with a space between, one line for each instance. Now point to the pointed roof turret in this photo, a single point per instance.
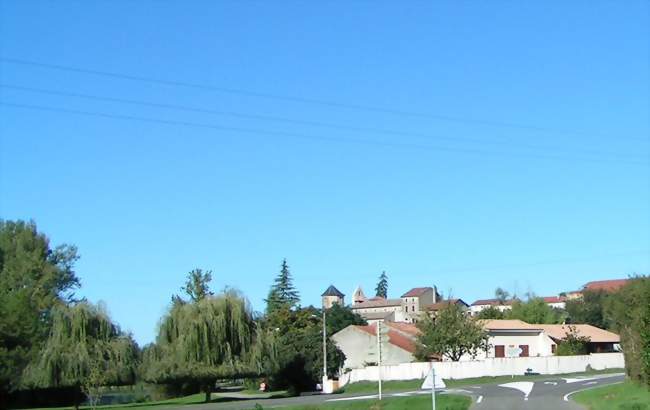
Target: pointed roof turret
pixel 358 296
pixel 332 291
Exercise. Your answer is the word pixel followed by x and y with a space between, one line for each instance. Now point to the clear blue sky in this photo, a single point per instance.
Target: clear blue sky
pixel 542 183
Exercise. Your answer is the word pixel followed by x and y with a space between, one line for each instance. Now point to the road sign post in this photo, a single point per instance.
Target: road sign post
pixel 431 382
pixel 433 388
pixel 513 351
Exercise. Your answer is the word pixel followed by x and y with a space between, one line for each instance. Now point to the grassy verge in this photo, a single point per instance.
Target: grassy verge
pixel 624 396
pixel 197 398
pixel 403 385
pixel 443 402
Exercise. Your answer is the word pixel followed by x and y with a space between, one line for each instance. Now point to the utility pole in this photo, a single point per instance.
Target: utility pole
pixel 324 347
pixel 379 337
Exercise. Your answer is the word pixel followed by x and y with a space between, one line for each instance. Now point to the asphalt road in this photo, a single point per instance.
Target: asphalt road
pixel 547 394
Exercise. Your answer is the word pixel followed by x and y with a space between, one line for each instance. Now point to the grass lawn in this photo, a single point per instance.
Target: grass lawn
pixel 402 385
pixel 443 402
pixel 624 396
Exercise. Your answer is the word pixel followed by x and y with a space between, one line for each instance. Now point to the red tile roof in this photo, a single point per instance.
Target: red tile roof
pixel 395 338
pixel 606 285
pixel 492 302
pixel 407 328
pixel 376 303
pixel 554 299
pixel 415 292
pixel 443 303
pixel 595 334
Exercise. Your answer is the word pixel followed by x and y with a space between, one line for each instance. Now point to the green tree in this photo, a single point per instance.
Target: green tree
pixel 535 310
pixel 283 295
pixel 452 334
pixel 34 279
pixel 501 295
pixel 382 286
pixel 590 309
pixel 197 286
pixel 573 344
pixel 203 341
pixel 491 312
pixel 630 317
pixel 85 349
pixel 299 349
pixel 339 317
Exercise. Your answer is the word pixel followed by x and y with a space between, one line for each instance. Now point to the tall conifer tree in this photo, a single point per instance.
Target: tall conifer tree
pixel 382 286
pixel 282 294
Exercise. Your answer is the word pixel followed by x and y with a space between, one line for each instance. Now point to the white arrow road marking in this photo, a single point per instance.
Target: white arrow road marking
pixel 479 400
pixel 566 396
pixel 524 387
pixel 553 383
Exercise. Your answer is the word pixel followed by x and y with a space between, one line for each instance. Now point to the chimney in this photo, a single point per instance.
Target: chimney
pixel 435 294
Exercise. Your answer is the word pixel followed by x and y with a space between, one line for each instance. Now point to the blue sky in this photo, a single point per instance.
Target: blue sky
pixel 513 149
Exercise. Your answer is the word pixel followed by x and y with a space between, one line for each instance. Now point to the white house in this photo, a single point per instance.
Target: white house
pixel 482 304
pixel 505 335
pixel 557 302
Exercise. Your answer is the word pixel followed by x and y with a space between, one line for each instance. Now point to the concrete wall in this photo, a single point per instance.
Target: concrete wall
pixel 488 367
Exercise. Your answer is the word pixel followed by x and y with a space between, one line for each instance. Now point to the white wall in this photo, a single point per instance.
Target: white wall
pixel 539 344
pixel 360 347
pixel 488 367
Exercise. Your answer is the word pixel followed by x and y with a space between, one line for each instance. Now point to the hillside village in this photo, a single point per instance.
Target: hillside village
pixel 400 317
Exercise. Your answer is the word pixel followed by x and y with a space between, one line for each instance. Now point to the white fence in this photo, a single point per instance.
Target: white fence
pixel 488 367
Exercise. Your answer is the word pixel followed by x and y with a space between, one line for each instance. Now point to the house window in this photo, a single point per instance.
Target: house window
pixel 524 350
pixel 412 308
pixel 499 351
pixel 553 348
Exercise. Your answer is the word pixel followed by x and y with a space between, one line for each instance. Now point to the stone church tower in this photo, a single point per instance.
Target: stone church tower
pixel 332 296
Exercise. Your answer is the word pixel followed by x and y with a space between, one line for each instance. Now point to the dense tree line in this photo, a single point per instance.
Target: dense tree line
pixel 55 344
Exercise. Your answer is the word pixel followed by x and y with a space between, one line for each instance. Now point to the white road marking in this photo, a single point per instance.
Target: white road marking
pixel 374 396
pixel 566 396
pixel 585 379
pixel 553 383
pixel 524 387
pixel 479 400
pixel 588 383
pixel 474 387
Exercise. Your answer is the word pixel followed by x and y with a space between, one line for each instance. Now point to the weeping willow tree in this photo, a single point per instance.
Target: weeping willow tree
pixel 212 339
pixel 84 349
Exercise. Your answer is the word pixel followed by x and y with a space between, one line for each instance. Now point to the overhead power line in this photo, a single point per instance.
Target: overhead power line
pixel 249 116
pixel 542 263
pixel 305 136
pixel 294 99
